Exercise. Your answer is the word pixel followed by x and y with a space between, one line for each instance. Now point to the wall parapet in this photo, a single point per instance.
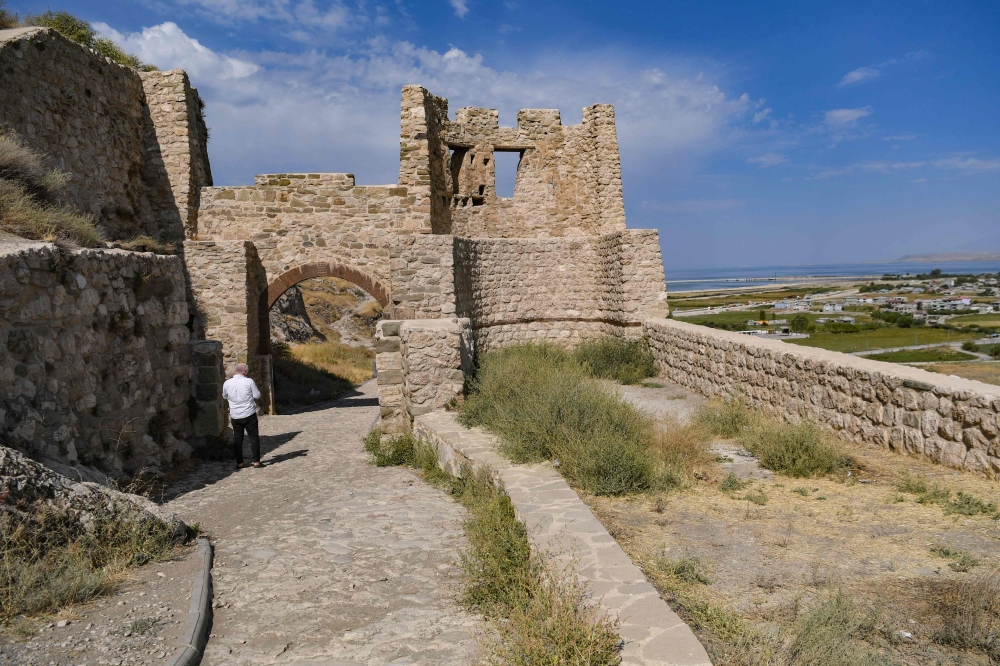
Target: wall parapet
pixel 951 420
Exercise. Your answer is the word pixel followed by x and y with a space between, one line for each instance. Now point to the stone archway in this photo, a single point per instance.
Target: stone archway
pixel 276 287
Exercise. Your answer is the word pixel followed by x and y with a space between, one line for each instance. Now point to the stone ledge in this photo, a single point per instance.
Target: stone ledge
pixel 562 526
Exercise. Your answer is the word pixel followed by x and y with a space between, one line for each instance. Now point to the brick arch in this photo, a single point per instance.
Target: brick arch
pixel 371 284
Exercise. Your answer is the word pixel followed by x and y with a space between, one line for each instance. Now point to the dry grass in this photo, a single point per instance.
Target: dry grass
pixel 536 614
pixel 980 371
pixel 312 373
pixel 825 573
pixel 624 360
pixel 27 190
pixel 82 32
pixel 143 243
pixel 50 559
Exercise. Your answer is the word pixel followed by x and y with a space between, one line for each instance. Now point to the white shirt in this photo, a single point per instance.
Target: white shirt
pixel 240 391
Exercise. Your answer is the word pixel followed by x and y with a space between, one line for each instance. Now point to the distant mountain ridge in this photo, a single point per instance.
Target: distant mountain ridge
pixel 953 256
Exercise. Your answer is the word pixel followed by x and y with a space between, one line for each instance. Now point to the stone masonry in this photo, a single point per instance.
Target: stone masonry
pixel 94 359
pixel 134 144
pixel 952 421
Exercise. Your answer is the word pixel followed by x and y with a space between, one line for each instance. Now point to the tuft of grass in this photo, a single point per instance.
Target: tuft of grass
pixel 970 610
pixel 27 190
pixel 732 483
pixel 390 451
pixel 800 450
pixel 544 405
pixel 682 452
pixel 832 634
pixel 688 569
pixel 964 562
pixel 964 504
pixel 143 243
pixel 536 614
pixel 625 360
pixel 801 490
pixel 757 496
pixel 724 418
pixel 50 559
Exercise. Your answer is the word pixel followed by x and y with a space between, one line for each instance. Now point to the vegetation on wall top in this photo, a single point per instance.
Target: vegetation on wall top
pixel 76 29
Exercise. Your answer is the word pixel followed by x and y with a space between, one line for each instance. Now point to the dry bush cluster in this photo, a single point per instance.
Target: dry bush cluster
pixel 28 190
pixel 50 558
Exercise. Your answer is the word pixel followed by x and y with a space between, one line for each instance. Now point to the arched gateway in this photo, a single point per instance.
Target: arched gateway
pixel 451 262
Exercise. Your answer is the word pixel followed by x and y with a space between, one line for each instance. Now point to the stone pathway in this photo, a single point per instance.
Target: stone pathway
pixel 324 560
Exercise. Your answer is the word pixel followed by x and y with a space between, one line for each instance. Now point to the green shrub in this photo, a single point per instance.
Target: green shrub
pixel 757 496
pixel 81 32
pixel 543 405
pixel 624 360
pixel 7 20
pixel 390 451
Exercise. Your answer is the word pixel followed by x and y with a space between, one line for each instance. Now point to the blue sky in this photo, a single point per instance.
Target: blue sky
pixel 751 133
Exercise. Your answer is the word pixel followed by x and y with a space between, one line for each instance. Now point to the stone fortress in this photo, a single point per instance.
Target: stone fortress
pixel 114 360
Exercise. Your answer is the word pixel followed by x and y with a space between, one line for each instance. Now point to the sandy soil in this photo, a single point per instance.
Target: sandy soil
pixel 770 562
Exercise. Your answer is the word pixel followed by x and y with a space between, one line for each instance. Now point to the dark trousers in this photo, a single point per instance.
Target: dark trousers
pixel 249 423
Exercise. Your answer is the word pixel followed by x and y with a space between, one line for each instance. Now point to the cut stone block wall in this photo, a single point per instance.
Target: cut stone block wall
pixel 210 411
pixel 297 219
pixel 94 362
pixel 225 281
pixel 125 154
pixel 560 289
pixel 950 420
pixel 421 366
pixel 423 277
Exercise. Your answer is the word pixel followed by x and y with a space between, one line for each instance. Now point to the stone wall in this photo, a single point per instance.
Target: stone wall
pixel 421 366
pixel 422 269
pixel 225 280
pixel 950 420
pixel 297 219
pixel 94 362
pixel 176 126
pixel 561 289
pixel 91 117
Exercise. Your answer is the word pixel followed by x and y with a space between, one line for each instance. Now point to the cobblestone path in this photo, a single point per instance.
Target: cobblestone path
pixel 323 559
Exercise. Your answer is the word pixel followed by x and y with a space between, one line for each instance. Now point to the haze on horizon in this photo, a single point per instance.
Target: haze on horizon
pixel 758 134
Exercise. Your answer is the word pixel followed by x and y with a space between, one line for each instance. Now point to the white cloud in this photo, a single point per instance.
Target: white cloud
pixel 167 47
pixel 860 74
pixel 311 110
pixel 461 7
pixel 761 115
pixel 844 118
pixel 967 165
pixel 900 137
pixel 767 160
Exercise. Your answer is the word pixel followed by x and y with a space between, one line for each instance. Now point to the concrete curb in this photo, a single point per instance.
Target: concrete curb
pixel 199 617
pixel 562 526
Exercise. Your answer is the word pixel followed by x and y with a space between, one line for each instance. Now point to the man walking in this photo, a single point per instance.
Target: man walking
pixel 241 392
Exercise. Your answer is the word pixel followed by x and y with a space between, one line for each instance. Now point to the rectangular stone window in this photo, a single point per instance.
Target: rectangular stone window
pixel 506 164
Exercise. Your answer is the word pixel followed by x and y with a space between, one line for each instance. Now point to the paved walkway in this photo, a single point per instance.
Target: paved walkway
pixel 325 560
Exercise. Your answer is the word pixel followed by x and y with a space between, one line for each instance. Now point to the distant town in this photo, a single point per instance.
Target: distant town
pixel 943 322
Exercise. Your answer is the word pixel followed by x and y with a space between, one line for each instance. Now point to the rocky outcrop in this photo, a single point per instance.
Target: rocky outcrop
pixel 28 487
pixel 290 320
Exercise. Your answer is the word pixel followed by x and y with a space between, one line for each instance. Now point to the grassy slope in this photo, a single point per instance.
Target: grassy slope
pixel 881 338
pixel 923 355
pixel 981 319
pixel 985 371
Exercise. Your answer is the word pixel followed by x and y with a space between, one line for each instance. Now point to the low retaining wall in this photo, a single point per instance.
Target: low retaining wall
pixel 94 360
pixel 950 420
pixel 561 526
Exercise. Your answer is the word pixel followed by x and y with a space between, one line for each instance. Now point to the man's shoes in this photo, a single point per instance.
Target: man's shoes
pixel 258 464
pixel 239 465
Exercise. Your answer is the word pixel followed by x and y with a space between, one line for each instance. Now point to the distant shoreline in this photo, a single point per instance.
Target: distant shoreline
pixel 951 256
